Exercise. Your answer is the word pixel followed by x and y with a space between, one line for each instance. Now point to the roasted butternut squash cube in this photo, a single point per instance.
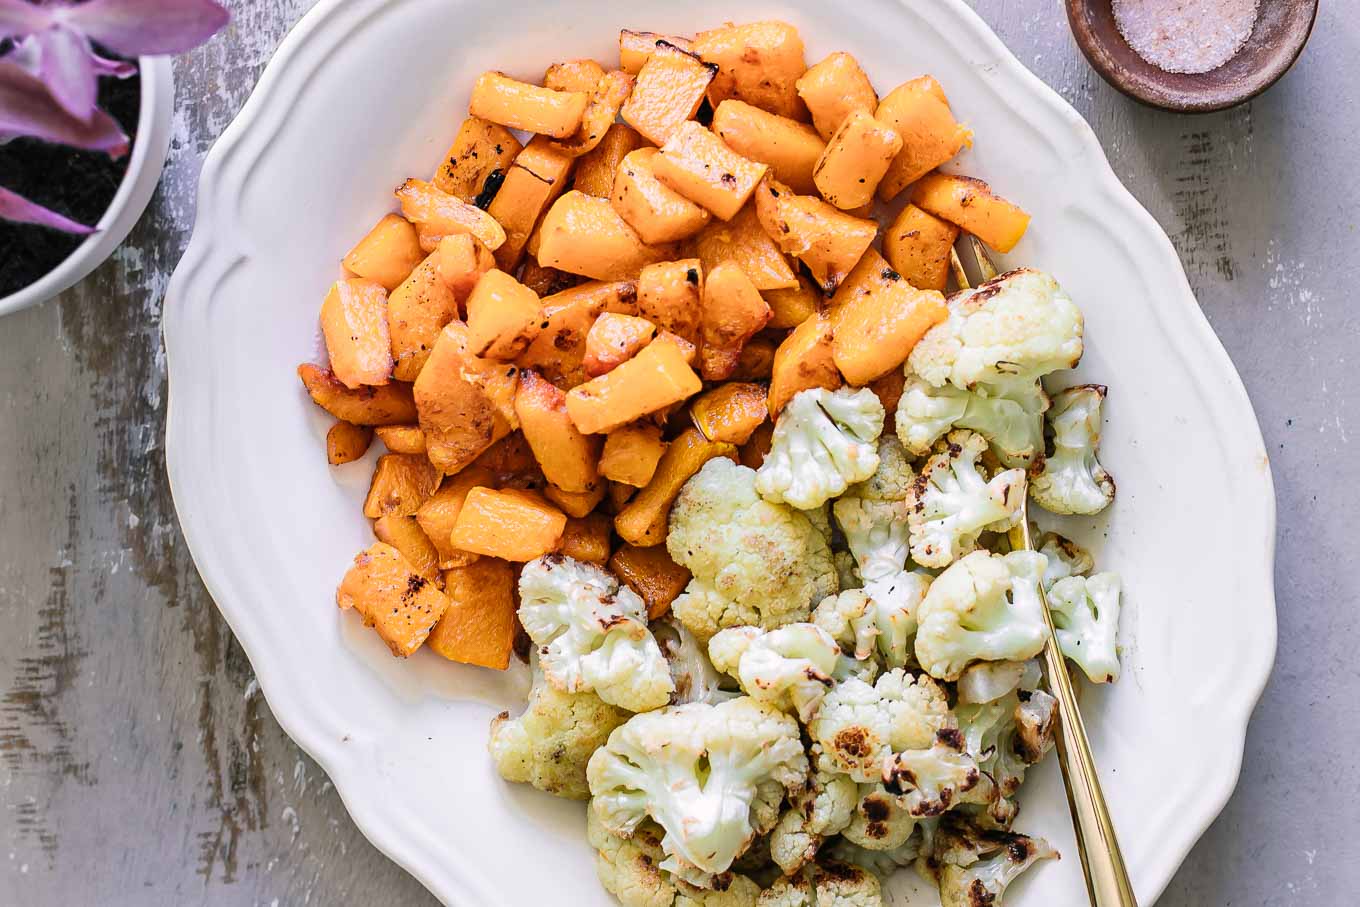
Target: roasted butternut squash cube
pixel 478 628
pixel 401 483
pixel 970 204
pixel 656 212
pixel 437 214
pixel 407 439
pixel 698 165
pixel 631 453
pixel 874 331
pixel 354 324
pixel 855 160
pixel 388 254
pixel 791 307
pixel 534 181
pixel 643 521
pixel 833 89
pixel 465 403
pixel 613 340
pixel 652 574
pixel 347 442
pixel 404 534
pixel 607 96
pixel 392 598
pixel 829 241
pixel 558 353
pixel 652 380
pixel 587 538
pixel 756 362
pixel 575 504
pixel 759 63
pixel 546 281
pixel 743 240
pixel 752 453
pixel 918 111
pixel 669 89
pixel 573 75
pixel 637 47
pixel 670 296
pixel 390 404
pixel 791 148
pixel 804 360
pixel 730 412
pixel 503 317
pixel 439 513
pixel 568 458
pixel 617 497
pixel 585 235
pixel 871 273
pixel 416 312
pixel 889 389
pixel 510 524
pixel 519 105
pixel 511 462
pixel 477 161
pixel 733 312
pixel 596 168
pixel 917 246
pixel 460 261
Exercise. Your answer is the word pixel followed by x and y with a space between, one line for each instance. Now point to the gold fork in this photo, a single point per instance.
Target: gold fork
pixel 1107 879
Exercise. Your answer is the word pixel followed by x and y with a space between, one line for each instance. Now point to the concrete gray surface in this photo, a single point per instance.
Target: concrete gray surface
pixel 139 764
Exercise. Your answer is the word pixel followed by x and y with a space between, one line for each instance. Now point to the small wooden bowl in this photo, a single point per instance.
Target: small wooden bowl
pixel 1277 40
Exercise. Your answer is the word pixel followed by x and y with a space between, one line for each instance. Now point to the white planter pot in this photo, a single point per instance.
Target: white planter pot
pixel 149 151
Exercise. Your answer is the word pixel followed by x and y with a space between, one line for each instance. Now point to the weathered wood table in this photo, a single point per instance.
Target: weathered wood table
pixel 139 764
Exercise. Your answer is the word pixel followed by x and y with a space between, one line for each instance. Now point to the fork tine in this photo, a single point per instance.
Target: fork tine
pixel 956 265
pixel 984 262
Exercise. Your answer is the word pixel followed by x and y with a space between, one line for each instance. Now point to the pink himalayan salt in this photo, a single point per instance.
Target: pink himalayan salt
pixel 1187 36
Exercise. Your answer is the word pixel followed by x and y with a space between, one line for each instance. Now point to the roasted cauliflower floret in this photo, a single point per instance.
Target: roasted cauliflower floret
pixel 823 443
pixel 712 776
pixel 988 681
pixel 1013 425
pixel 1009 734
pixel 1071 479
pixel 951 502
pixel 695 678
pixel 1065 558
pixel 826 883
pixel 592 634
pixel 877 621
pixel 860 724
pixel 881 863
pixel 820 809
pixel 549 745
pixel 754 563
pixel 879 821
pixel 984 607
pixel 985 881
pixel 789 667
pixel 930 781
pixel 873 514
pixel 1002 336
pixel 1086 614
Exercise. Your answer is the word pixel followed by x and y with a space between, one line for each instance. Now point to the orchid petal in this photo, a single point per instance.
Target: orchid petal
pixel 19 18
pixel 14 207
pixel 65 66
pixel 28 109
pixel 137 27
pixel 117 69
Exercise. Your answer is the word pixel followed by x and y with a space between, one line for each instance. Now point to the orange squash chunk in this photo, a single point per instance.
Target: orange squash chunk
pixel 595 170
pixel 617 496
pixel 388 254
pixel 439 513
pixel 804 360
pixel 573 75
pixel 919 112
pixel 791 148
pixel 416 312
pixel 644 520
pixel 872 272
pixel 503 317
pixel 478 628
pixel 752 453
pixel 696 163
pixel 558 353
pixel 460 261
pixel 477 160
pixel 585 235
pixel 744 241
pixel 637 47
pixel 833 89
pixel 759 63
pixel 465 403
pixel 889 389
pixel 390 404
pixel 669 89
pixel 519 105
pixel 511 461
pixel 917 246
pixel 970 204
pixel 401 483
pixel 731 412
pixel 614 339
pixel 392 598
pixel 607 95
pixel 347 442
pixel 733 312
pixel 437 214
pixel 538 176
pixel 791 307
pixel 575 503
pixel 511 524
pixel 568 458
pixel 652 574
pixel 587 538
pixel 407 439
pixel 670 294
pixel 756 362
pixel 631 453
pixel 546 281
pixel 829 241
pixel 354 323
pixel 875 329
pixel 652 380
pixel 655 211
pixel 855 160
pixel 404 534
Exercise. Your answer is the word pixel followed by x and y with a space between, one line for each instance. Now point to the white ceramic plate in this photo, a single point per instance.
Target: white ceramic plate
pixel 366 92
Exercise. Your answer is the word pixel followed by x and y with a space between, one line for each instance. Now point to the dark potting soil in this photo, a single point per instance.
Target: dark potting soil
pixel 78 184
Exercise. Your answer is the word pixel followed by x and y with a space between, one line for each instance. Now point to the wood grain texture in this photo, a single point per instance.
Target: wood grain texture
pixel 139 763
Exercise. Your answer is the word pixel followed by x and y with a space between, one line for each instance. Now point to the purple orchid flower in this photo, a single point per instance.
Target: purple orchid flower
pixel 14 207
